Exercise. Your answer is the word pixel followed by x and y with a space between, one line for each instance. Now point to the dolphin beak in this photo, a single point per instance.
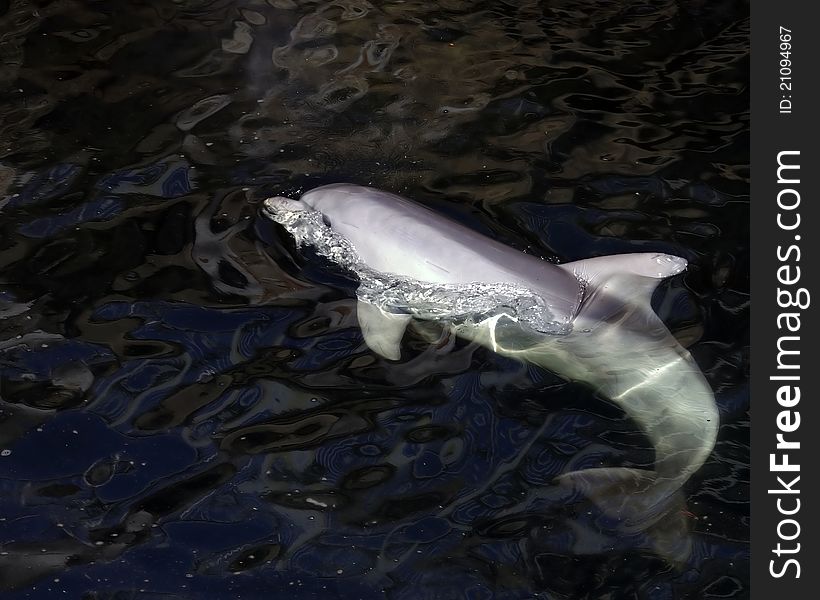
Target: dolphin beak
pixel 670 265
pixel 279 204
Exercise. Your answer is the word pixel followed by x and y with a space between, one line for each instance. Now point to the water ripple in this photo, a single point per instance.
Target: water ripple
pixel 187 406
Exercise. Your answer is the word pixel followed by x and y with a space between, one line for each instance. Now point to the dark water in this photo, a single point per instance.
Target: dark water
pixel 188 409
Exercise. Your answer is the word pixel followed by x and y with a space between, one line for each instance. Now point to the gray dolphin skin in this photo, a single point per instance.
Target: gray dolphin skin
pixel 599 329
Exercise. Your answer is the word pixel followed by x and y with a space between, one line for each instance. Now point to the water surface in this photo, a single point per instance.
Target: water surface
pixel 187 407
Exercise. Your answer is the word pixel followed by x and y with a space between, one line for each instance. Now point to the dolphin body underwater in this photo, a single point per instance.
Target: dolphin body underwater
pixel 589 321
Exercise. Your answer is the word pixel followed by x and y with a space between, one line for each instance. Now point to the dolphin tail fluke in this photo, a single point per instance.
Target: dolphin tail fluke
pixel 616 490
pixel 641 504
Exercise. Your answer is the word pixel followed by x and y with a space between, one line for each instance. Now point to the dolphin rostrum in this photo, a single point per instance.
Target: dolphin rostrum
pixel 589 321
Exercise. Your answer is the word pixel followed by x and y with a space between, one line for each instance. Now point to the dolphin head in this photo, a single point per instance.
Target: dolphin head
pixel 333 202
pixel 338 201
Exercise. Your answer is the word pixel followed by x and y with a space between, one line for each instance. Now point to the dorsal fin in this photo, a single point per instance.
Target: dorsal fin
pixel 621 286
pixel 654 265
pixel 626 276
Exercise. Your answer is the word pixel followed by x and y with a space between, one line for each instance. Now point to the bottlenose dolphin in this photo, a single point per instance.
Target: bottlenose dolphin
pixel 589 321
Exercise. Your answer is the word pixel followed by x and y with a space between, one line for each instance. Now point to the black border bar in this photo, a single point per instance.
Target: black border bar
pixel 785 171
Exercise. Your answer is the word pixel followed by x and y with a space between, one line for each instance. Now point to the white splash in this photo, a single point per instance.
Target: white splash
pixel 460 303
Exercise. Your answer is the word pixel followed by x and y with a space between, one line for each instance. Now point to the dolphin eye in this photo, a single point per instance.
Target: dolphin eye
pixel 326 220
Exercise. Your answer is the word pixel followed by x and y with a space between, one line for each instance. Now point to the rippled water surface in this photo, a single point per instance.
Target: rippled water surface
pixel 187 407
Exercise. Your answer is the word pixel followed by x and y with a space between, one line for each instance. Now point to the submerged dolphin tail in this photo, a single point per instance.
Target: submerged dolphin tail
pixel 645 371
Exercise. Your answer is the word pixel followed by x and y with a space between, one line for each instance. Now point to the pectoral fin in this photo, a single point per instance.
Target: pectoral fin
pixel 382 331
